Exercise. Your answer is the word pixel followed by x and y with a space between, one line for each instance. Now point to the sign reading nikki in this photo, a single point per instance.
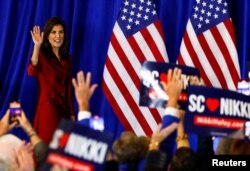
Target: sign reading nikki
pixel 216 112
pixel 77 147
pixel 151 90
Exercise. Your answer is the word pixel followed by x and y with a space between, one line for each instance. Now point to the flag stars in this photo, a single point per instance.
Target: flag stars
pixel 219 1
pixel 137 22
pixel 211 6
pixel 154 12
pixel 126 3
pixel 125 10
pixel 149 3
pixel 199 25
pixel 123 17
pixel 195 16
pixel 209 14
pixel 204 4
pixel 135 13
pixel 128 27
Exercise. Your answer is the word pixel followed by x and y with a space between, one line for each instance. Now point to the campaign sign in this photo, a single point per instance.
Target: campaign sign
pixel 216 112
pixel 77 147
pixel 152 93
pixel 244 87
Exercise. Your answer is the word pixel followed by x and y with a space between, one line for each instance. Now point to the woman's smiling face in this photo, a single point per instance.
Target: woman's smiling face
pixel 56 36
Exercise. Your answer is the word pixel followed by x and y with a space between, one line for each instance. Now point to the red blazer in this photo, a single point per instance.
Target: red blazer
pixel 55 94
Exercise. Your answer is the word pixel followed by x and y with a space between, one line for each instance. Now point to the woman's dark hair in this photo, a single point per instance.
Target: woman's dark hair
pixel 46 46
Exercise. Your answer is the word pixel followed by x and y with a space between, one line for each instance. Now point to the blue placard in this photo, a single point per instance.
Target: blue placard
pixel 216 112
pixel 77 147
pixel 151 91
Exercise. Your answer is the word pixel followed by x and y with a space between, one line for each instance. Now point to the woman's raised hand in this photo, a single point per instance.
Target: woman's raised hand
pixel 37 36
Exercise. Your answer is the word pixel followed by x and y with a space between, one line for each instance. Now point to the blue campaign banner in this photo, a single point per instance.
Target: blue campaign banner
pixel 216 112
pixel 151 90
pixel 77 147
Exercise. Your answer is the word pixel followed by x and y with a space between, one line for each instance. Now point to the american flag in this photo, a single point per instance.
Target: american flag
pixel 137 36
pixel 209 44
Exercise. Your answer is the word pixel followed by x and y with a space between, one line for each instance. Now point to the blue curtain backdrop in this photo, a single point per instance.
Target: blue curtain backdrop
pixel 89 24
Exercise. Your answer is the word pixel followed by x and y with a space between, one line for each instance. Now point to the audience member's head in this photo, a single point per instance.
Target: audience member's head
pixel 183 160
pixel 4 165
pixel 9 144
pixel 239 147
pixel 129 148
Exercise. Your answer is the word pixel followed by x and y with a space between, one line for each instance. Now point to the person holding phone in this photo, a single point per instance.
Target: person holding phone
pixel 17 154
pixel 5 124
pixel 51 65
pixel 15 110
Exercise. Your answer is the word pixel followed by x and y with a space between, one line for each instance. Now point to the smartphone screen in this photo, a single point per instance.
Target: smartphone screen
pixel 15 110
pixel 97 123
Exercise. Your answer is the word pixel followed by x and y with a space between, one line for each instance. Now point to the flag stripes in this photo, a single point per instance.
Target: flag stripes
pixel 214 53
pixel 122 76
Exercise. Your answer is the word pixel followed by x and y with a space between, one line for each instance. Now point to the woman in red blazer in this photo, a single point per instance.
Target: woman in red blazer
pixel 51 65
